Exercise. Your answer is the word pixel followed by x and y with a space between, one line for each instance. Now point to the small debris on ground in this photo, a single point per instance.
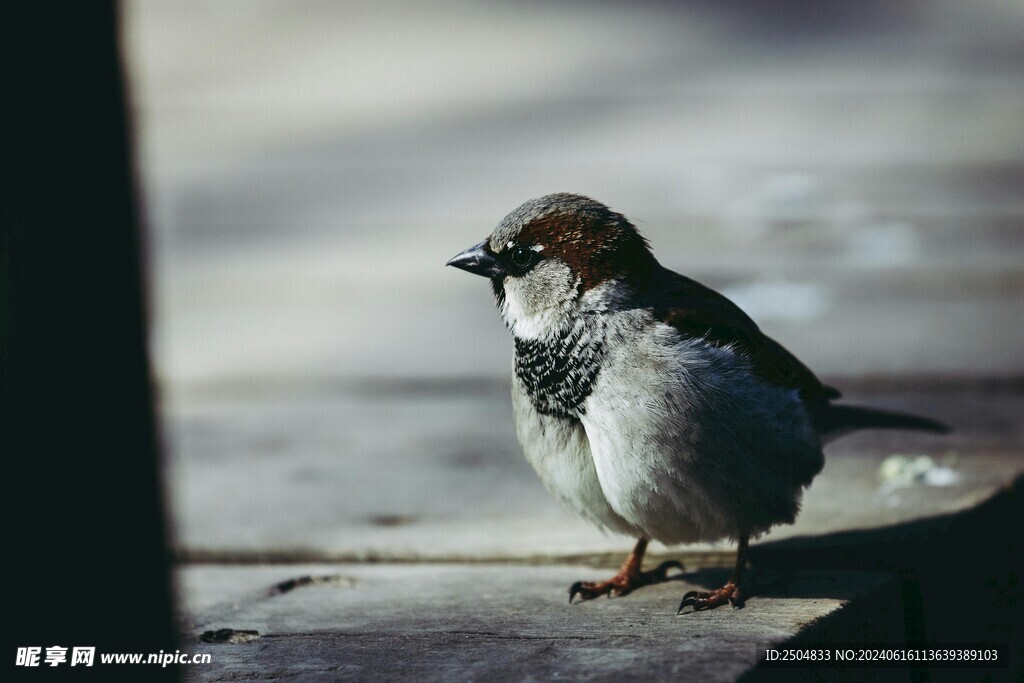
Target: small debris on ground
pixel 229 635
pixel 899 471
pixel 329 580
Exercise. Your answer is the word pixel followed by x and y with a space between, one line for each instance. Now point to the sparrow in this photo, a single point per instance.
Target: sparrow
pixel 648 403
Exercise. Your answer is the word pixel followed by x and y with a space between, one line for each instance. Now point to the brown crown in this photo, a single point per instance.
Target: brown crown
pixel 597 245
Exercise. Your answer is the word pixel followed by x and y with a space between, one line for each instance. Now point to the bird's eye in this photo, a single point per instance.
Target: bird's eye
pixel 522 257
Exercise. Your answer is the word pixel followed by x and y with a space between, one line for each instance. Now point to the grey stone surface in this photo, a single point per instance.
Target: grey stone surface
pixel 423 473
pixel 452 622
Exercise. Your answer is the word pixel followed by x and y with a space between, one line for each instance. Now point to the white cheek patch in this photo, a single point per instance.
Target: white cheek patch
pixel 538 303
pixel 538 247
pixel 524 319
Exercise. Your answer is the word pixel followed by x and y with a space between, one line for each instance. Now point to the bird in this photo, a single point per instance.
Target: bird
pixel 648 403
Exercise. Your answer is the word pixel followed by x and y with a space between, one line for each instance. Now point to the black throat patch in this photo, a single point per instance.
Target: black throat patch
pixel 559 371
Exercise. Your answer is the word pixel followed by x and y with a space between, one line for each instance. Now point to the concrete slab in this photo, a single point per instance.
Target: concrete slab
pixel 434 473
pixel 453 622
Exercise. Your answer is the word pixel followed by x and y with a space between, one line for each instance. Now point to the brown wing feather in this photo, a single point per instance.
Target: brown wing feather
pixel 699 311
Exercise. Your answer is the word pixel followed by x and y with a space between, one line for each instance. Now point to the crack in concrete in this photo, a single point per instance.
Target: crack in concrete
pixel 484 635
pixel 300 581
pixel 695 559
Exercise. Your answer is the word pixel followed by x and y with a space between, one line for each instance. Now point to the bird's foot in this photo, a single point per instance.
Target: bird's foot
pixel 626 581
pixel 699 601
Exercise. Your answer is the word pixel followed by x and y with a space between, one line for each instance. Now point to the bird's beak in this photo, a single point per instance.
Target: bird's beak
pixel 478 259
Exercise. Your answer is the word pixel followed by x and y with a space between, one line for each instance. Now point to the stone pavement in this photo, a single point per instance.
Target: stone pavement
pixel 431 550
pixel 435 473
pixel 480 623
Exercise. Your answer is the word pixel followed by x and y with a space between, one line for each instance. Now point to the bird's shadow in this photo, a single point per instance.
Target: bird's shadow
pixel 944 546
pixel 952 578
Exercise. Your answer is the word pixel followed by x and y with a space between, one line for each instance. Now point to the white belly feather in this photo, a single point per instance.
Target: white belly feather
pixel 678 441
pixel 559 451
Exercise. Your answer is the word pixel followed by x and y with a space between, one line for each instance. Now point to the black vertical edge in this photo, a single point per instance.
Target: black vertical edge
pixel 87 543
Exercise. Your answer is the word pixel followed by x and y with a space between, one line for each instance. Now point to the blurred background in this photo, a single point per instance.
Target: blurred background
pixel 849 173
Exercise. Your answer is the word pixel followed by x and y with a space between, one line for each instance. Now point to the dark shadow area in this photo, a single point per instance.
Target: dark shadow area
pixel 959 580
pixel 86 547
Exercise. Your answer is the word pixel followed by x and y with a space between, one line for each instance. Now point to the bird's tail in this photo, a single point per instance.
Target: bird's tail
pixel 835 420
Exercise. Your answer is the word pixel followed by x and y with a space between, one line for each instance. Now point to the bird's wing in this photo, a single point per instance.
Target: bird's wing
pixel 696 311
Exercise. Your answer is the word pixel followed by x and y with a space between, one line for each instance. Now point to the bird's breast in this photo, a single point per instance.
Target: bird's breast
pixel 558 371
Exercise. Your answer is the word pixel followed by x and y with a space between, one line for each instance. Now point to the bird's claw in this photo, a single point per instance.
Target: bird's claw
pixel 700 601
pixel 580 589
pixel 623 584
pixel 737 599
pixel 588 591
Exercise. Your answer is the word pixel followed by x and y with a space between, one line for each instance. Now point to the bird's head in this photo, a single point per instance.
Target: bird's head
pixel 556 256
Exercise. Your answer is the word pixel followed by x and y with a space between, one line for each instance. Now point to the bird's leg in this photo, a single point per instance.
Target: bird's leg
pixel 628 579
pixel 730 592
